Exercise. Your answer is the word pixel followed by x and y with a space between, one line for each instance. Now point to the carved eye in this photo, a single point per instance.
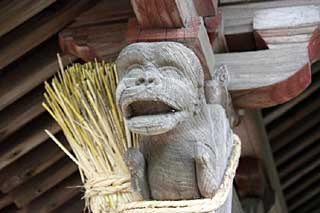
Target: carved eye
pixel 171 72
pixel 134 70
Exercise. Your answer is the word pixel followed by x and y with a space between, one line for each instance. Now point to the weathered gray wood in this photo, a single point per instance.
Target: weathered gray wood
pixel 239 18
pixel 280 27
pixel 287 17
pixel 263 68
pixel 186 142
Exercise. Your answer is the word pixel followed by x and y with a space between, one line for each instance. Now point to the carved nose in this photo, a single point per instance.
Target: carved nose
pixel 147 80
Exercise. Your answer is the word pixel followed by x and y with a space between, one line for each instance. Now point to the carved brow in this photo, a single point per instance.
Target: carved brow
pixel 169 63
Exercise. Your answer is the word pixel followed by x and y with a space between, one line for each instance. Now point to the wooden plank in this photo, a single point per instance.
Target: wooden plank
pixel 296 191
pixel 280 127
pixel 41 183
pixel 25 109
pixel 309 193
pixel 20 78
pixel 26 139
pixel 31 164
pixel 193 36
pixel 38 29
pixel 57 196
pixel 15 12
pixel 5 200
pixel 311 206
pixel 287 17
pixel 104 12
pixel 295 131
pixel 255 79
pixel 239 18
pixel 279 27
pixel 101 41
pixel 76 204
pixel 301 143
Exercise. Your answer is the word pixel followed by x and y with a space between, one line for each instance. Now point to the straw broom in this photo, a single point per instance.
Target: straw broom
pixel 81 99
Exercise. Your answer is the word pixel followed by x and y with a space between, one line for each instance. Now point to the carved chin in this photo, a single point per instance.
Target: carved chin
pixel 152 117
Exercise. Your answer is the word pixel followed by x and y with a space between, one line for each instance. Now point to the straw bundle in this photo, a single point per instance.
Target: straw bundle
pixel 82 101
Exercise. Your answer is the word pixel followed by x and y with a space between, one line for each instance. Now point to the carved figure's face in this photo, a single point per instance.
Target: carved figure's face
pixel 161 85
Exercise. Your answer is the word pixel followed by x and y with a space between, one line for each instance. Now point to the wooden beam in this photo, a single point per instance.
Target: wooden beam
pixel 171 13
pixel 31 164
pixel 281 109
pixel 238 21
pixel 5 200
pixel 101 41
pixel 15 12
pixel 18 79
pixel 163 13
pixel 279 27
pixel 38 29
pixel 279 128
pixel 57 196
pixel 252 133
pixel 255 79
pixel 104 12
pixel 301 143
pixel 25 109
pixel 297 190
pixel 295 131
pixel 37 185
pixel 299 173
pixel 239 18
pixel 26 139
pixel 309 193
pixel 76 204
pixel 214 26
pixel 194 36
pixel 311 152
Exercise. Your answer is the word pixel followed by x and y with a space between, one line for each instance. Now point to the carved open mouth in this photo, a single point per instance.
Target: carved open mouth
pixel 148 108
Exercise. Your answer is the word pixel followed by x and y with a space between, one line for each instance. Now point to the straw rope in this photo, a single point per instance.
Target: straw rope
pixel 100 185
pixel 116 184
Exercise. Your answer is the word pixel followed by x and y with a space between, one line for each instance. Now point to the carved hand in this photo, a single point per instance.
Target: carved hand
pixel 136 163
pixel 205 170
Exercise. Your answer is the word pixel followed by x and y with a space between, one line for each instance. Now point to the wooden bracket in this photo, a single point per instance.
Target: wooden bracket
pixel 155 14
pixel 194 36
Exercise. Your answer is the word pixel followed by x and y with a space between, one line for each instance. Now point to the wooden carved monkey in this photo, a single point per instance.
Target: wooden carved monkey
pixel 185 141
